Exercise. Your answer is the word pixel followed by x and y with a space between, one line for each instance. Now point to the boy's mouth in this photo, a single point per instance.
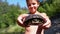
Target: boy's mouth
pixel 32 9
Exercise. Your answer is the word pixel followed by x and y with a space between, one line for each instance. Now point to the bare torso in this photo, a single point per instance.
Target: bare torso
pixel 34 29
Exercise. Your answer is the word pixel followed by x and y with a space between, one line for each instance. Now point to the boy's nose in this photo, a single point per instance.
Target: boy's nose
pixel 31 5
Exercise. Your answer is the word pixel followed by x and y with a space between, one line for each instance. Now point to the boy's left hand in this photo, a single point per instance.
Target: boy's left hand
pixel 48 22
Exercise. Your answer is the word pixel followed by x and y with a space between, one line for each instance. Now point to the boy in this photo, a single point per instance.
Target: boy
pixel 34 29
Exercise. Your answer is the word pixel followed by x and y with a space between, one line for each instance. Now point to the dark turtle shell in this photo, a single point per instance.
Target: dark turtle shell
pixel 34 19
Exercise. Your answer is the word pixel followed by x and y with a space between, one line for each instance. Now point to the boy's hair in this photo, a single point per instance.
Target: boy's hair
pixel 36 0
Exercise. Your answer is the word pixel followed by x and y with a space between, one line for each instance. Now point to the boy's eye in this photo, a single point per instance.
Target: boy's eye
pixel 33 3
pixel 29 5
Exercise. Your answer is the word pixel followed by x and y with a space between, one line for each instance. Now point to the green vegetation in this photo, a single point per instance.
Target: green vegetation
pixel 9 14
pixel 51 7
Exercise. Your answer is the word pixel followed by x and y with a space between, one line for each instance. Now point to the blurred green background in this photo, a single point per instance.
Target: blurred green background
pixel 9 14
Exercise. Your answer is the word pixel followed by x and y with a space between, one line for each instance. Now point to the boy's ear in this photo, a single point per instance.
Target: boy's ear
pixel 38 5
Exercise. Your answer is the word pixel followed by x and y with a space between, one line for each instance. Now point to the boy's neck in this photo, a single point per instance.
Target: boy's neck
pixel 34 12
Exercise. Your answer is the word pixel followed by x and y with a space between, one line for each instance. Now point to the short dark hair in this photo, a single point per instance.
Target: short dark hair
pixel 36 0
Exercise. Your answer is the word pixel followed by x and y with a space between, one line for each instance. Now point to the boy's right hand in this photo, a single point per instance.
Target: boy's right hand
pixel 21 19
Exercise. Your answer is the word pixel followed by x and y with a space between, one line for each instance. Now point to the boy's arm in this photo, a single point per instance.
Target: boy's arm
pixel 19 20
pixel 48 23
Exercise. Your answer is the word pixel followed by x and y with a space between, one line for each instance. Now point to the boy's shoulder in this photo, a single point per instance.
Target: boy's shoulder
pixel 21 15
pixel 43 13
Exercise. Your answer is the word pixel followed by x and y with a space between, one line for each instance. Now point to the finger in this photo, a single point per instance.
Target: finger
pixel 45 24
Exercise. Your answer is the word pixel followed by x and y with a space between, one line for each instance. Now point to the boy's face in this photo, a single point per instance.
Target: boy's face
pixel 32 5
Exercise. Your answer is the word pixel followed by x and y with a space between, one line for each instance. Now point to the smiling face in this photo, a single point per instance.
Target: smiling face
pixel 32 6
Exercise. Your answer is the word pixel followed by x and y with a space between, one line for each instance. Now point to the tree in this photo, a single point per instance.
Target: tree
pixel 51 7
pixel 8 14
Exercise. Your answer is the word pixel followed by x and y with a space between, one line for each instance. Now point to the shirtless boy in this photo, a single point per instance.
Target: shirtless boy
pixel 34 29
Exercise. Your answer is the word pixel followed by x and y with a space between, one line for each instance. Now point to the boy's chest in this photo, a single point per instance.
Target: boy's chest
pixel 33 30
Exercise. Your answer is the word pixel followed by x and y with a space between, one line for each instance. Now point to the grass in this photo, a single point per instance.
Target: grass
pixel 12 30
